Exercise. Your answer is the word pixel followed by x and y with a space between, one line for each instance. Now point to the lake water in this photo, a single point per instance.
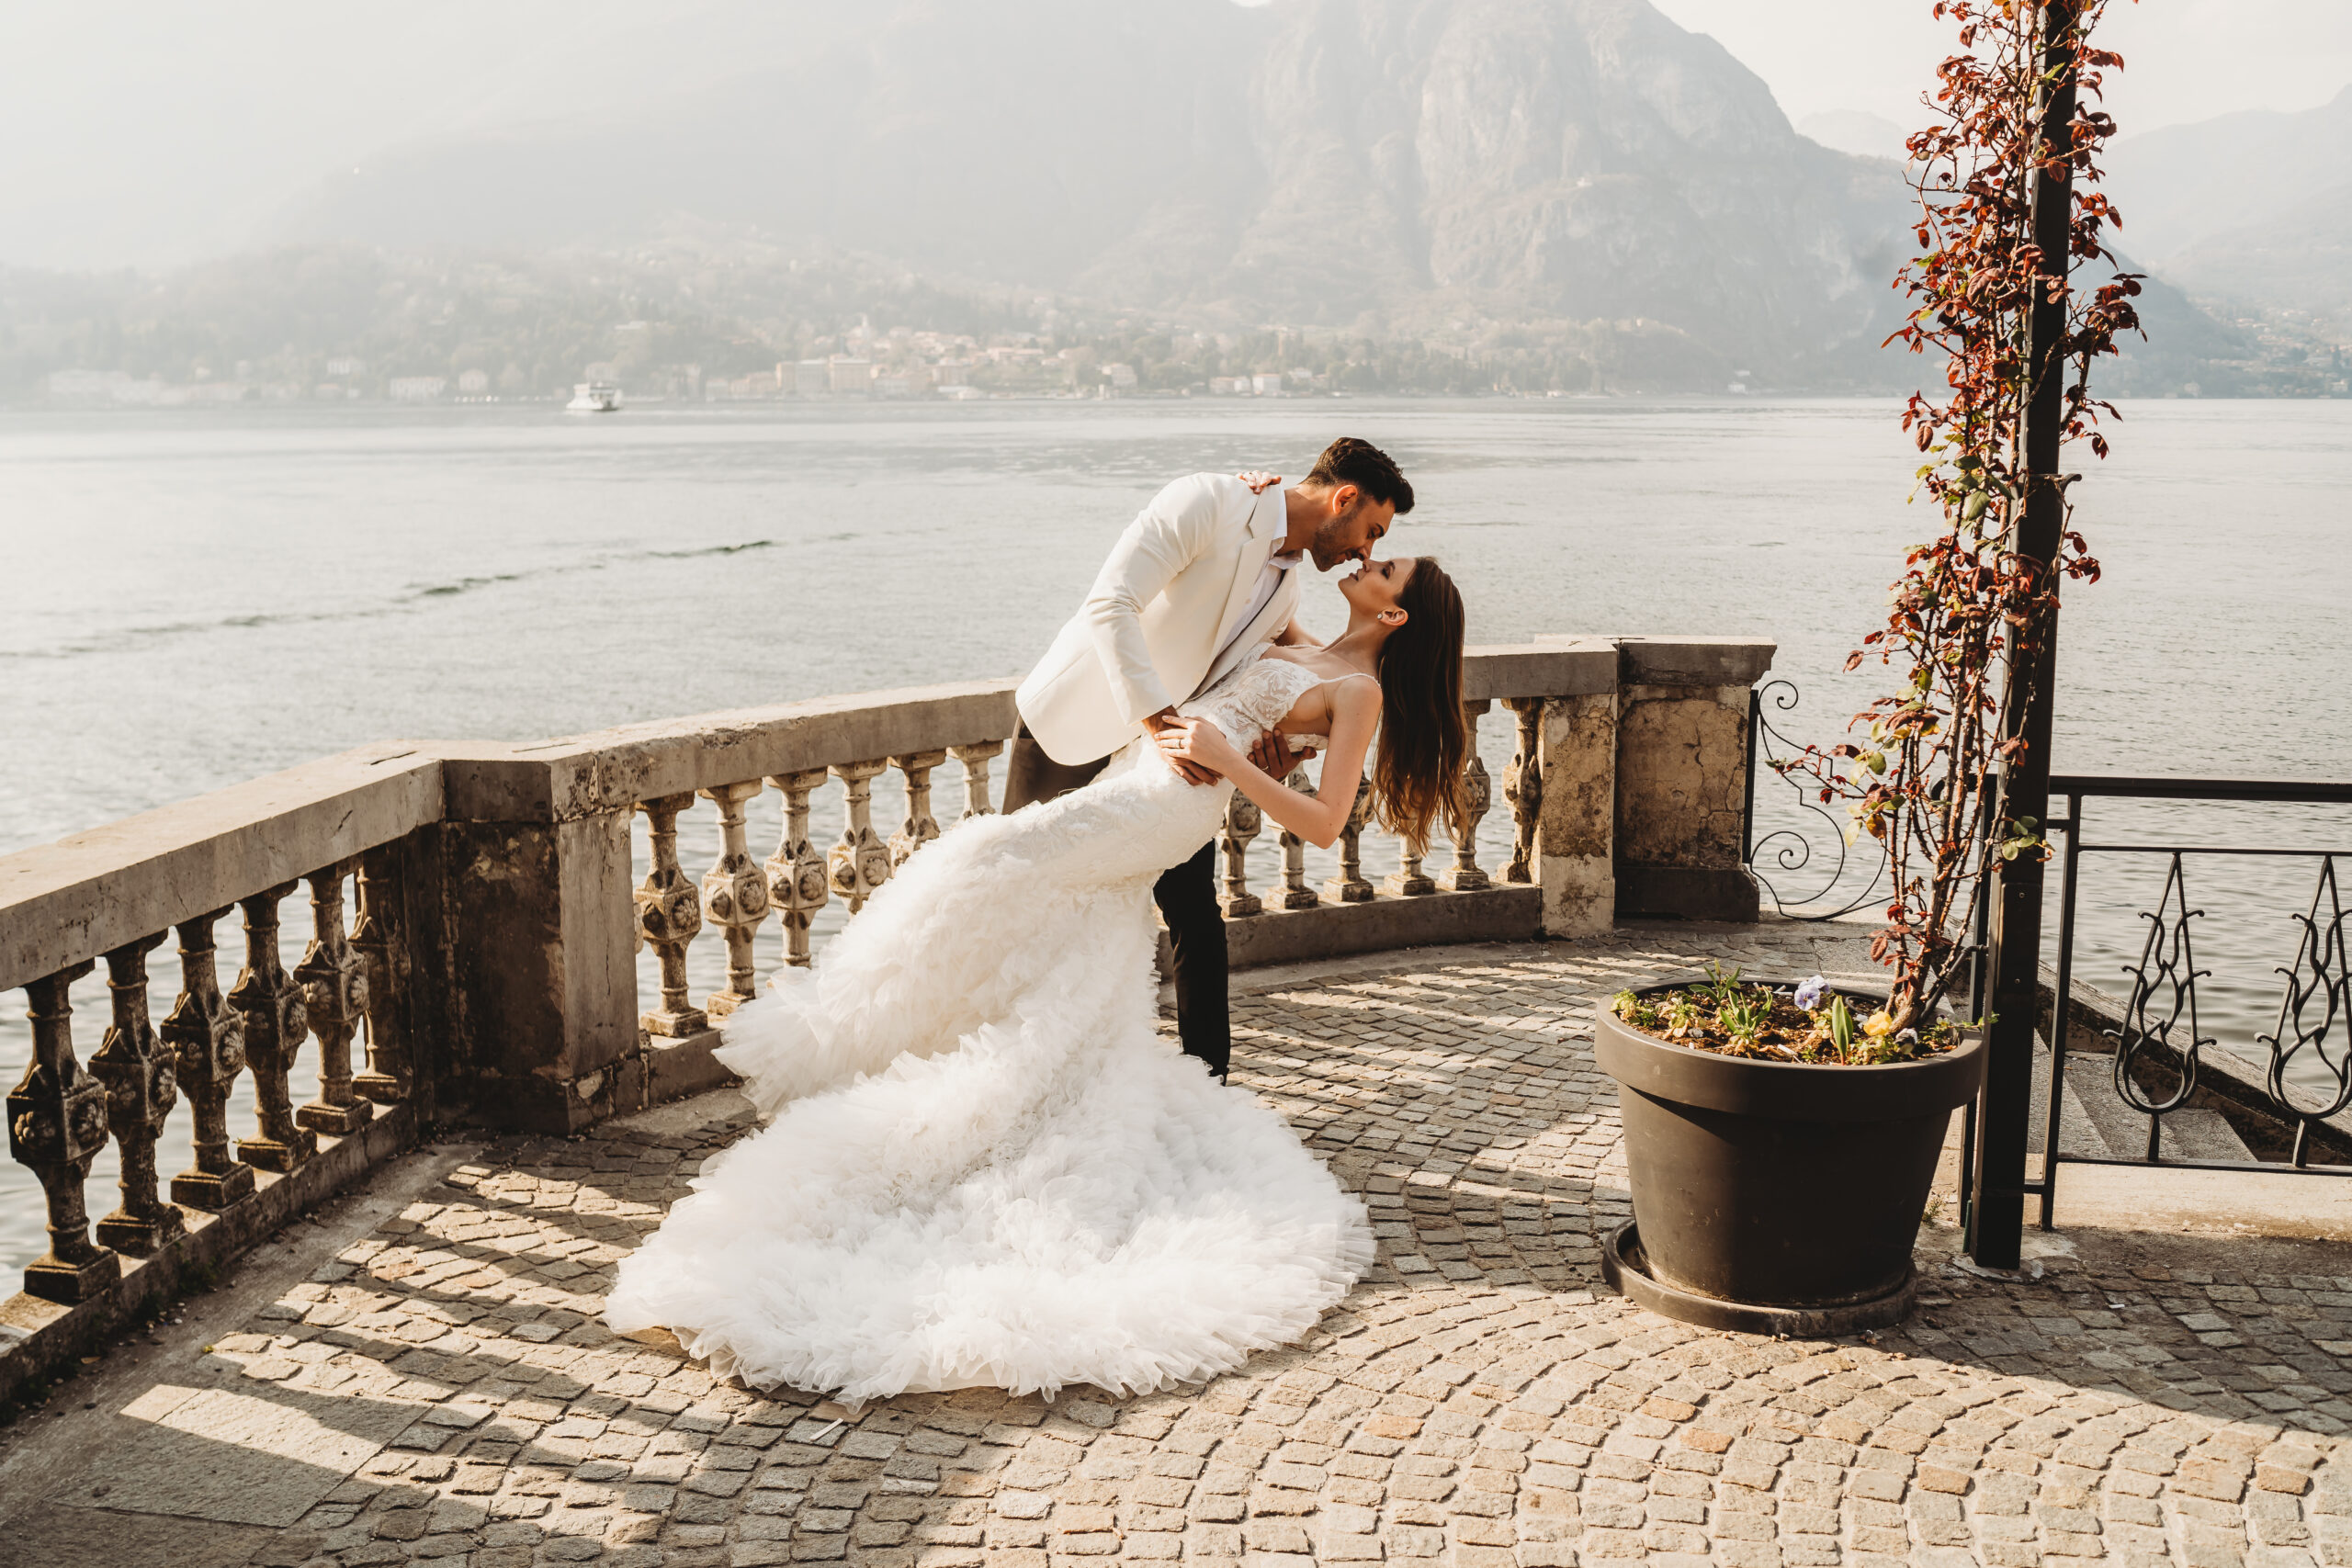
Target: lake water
pixel 191 599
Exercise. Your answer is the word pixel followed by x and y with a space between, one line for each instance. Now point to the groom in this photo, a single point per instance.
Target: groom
pixel 1203 578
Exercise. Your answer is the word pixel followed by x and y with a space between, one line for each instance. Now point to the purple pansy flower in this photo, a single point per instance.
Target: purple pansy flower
pixel 1809 993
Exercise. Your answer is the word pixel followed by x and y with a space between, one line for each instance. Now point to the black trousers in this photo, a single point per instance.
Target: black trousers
pixel 1187 897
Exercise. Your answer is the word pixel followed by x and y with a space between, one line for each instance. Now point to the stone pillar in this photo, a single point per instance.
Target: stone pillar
pixel 1562 779
pixel 1682 714
pixel 1576 818
pixel 536 1025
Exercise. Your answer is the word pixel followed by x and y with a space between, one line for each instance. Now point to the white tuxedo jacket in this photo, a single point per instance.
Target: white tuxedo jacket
pixel 1170 595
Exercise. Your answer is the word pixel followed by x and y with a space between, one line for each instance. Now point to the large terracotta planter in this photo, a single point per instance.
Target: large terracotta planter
pixel 1775 1196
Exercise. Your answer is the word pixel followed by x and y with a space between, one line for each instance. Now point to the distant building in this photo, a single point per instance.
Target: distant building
pixel 811 378
pixel 1267 384
pixel 894 386
pixel 759 385
pixel 848 375
pixel 344 367
pixel 1120 376
pixel 99 389
pixel 962 394
pixel 1228 386
pixel 473 383
pixel 416 388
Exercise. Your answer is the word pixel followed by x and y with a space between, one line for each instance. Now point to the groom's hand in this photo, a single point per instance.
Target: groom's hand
pixel 1273 756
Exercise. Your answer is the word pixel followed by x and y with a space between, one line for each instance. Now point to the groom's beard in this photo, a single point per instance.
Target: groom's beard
pixel 1331 547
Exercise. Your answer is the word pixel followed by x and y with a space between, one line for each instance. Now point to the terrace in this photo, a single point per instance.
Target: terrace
pixel 365 1328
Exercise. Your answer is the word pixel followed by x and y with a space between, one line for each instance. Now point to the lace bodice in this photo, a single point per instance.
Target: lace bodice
pixel 1257 697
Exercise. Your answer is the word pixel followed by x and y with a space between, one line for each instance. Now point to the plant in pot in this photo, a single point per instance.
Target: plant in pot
pixel 1780 1142
pixel 1782 1139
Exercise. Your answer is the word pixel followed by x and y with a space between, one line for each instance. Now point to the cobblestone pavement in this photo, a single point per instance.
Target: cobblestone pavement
pixel 442 1392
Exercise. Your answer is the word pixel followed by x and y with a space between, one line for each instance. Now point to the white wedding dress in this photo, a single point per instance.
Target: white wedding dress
pixel 982 1164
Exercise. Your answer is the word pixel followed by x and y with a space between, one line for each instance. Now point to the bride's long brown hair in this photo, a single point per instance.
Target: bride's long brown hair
pixel 1417 775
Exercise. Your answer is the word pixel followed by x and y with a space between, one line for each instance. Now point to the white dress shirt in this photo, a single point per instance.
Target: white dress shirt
pixel 1270 582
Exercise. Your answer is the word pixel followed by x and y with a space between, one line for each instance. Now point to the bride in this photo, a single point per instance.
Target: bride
pixel 982 1164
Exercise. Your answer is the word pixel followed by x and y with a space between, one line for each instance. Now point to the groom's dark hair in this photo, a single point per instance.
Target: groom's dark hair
pixel 1349 461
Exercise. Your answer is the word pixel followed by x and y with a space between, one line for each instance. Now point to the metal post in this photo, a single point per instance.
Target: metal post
pixel 2058 1027
pixel 1747 801
pixel 1979 981
pixel 1997 1219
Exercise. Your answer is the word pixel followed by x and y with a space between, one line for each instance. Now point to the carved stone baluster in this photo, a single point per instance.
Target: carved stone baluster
pixel 735 897
pixel 1477 794
pixel 377 938
pixel 861 861
pixel 1350 887
pixel 208 1041
pixel 1296 893
pixel 57 1124
pixel 669 913
pixel 136 1067
pixel 1409 880
pixel 797 882
pixel 334 1001
pixel 271 1004
pixel 1523 787
pixel 975 759
pixel 1243 822
pixel 921 827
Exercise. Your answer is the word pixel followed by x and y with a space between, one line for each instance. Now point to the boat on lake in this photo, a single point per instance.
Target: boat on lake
pixel 595 397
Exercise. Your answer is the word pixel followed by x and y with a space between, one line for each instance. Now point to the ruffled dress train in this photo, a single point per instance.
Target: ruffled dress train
pixel 982 1165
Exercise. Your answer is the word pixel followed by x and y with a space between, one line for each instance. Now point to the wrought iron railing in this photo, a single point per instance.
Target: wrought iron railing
pixel 1784 859
pixel 2301 1075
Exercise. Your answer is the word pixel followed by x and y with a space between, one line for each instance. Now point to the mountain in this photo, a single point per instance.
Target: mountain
pixel 2247 207
pixel 1857 131
pixel 1373 165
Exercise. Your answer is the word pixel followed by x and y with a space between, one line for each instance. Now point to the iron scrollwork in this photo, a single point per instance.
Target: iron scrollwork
pixel 2319 981
pixel 2164 995
pixel 1789 849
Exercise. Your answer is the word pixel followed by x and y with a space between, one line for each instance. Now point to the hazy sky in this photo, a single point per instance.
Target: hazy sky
pixel 2185 59
pixel 143 132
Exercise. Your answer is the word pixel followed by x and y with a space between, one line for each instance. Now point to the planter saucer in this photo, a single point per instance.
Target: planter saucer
pixel 1622 1265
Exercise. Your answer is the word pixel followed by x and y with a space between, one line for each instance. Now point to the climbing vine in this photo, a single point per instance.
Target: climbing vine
pixel 1965 616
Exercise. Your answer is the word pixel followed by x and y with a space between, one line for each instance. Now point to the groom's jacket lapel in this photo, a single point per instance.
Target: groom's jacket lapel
pixel 1267 524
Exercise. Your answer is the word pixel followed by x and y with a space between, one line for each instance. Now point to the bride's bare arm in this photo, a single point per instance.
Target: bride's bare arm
pixel 1319 817
pixel 1295 636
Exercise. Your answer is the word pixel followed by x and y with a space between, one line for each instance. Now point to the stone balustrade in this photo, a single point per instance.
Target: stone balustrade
pixel 476 915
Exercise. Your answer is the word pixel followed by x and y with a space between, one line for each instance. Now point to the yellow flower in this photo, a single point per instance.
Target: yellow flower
pixel 1879 1024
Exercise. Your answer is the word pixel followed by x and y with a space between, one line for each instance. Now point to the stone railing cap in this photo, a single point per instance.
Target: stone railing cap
pixel 1693 660
pixel 92 892
pixel 610 769
pixel 1568 667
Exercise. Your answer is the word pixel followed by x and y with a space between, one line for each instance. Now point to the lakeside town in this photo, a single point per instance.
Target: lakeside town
pixel 680 325
pixel 895 364
pixel 906 364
